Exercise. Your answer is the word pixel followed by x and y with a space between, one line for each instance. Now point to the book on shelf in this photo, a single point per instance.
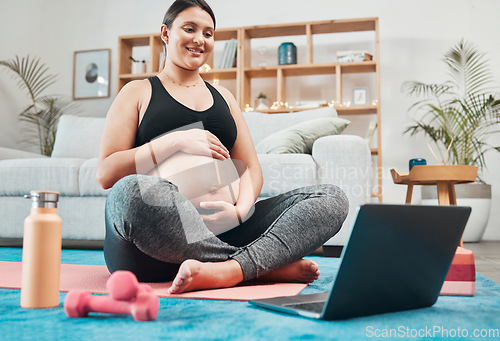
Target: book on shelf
pixel 370 131
pixel 235 55
pixel 223 56
pixel 232 54
pixel 228 58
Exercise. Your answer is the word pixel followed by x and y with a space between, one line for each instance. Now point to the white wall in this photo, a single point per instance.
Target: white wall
pixel 414 35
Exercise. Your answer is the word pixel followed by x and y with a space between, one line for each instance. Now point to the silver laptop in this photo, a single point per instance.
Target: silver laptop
pixel 396 259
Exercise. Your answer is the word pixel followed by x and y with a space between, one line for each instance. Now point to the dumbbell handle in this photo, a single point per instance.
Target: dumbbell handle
pixel 107 305
pixel 79 303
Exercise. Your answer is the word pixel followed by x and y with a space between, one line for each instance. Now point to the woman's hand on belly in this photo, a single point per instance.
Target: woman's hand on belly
pixel 222 217
pixel 201 142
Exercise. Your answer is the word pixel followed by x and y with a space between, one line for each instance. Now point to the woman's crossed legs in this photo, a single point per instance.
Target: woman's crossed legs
pixel 151 229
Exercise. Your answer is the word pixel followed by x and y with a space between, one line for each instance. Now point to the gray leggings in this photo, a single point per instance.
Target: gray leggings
pixel 151 229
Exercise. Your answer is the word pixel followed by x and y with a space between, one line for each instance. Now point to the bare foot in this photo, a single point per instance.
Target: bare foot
pixel 194 275
pixel 301 271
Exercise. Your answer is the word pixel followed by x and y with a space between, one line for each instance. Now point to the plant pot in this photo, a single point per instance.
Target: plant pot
pixel 261 104
pixel 475 195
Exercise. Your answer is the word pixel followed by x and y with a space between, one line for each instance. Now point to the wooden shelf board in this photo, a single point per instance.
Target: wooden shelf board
pixel 374 151
pixel 278 30
pixel 226 33
pixel 284 110
pixel 219 74
pixel 307 69
pixel 136 40
pixel 272 71
pixel 349 25
pixel 310 69
pixel 359 67
pixel 357 110
pixel 329 26
pixel 262 72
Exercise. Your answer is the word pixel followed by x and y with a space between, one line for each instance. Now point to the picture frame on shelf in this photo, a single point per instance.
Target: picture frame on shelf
pixel 360 96
pixel 91 71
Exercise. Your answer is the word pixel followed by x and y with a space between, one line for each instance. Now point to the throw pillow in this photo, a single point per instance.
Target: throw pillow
pixel 300 137
pixel 78 137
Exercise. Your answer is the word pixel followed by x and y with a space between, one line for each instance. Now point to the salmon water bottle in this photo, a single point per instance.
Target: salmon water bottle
pixel 41 252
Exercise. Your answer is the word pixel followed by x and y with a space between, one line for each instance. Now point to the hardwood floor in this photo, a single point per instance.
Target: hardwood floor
pixel 487 257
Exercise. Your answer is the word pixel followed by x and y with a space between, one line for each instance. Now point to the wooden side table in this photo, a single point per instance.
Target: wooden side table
pixel 444 177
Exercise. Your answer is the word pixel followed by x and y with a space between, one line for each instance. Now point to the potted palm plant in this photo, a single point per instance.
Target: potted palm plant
pixel 44 111
pixel 464 112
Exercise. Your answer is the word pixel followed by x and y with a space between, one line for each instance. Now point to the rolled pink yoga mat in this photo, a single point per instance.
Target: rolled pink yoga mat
pixel 461 278
pixel 94 277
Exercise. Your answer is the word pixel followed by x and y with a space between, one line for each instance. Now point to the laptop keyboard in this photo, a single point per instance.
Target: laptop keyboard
pixel 315 307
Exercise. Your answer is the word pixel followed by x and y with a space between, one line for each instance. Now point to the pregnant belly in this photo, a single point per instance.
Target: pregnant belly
pixel 201 178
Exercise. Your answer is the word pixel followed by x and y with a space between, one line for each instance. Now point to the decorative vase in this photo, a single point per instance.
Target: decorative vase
pixel 287 54
pixel 138 67
pixel 475 195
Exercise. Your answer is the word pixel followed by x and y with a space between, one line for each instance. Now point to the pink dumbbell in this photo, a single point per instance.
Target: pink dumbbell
pixel 79 303
pixel 128 297
pixel 123 286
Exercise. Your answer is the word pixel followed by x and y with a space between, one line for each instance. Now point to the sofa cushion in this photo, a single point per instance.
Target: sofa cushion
pixel 87 179
pixel 262 125
pixel 284 172
pixel 78 137
pixel 300 137
pixel 9 153
pixel 20 176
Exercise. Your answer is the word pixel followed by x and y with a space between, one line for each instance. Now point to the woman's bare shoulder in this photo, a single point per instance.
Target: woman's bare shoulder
pixel 132 97
pixel 136 86
pixel 228 96
pixel 126 106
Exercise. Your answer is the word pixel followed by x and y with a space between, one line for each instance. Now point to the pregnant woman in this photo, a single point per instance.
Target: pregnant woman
pixel 184 179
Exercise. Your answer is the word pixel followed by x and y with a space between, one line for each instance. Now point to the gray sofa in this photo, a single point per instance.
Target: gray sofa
pixel 343 160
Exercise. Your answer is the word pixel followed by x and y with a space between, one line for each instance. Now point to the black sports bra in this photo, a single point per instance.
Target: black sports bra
pixel 164 114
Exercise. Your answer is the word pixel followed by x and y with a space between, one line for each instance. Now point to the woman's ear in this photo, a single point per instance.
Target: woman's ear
pixel 164 33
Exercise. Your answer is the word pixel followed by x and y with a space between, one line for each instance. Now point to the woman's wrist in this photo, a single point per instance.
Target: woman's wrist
pixel 166 146
pixel 173 140
pixel 153 158
pixel 238 215
pixel 242 212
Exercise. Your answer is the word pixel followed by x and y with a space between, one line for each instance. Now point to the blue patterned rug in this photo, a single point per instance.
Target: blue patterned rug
pixel 465 318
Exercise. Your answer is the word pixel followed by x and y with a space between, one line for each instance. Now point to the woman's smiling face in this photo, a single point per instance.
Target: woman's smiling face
pixel 190 41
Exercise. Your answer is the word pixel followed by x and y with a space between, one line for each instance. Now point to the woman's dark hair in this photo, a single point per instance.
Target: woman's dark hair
pixel 180 5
